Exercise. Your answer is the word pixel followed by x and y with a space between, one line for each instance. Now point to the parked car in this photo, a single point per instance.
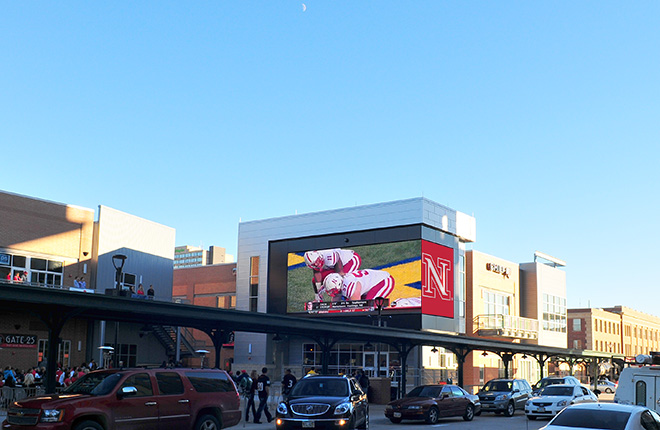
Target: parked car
pixel 431 402
pixel 554 398
pixel 148 399
pixel 606 386
pixel 504 395
pixel 605 416
pixel 552 380
pixel 329 402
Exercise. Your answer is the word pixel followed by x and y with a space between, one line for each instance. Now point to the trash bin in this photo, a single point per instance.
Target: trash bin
pixel 380 390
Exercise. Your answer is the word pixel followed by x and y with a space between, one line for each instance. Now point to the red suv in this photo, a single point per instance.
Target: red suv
pixel 132 399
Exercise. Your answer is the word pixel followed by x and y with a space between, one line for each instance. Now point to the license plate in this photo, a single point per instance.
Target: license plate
pixel 397 414
pixel 540 410
pixel 308 424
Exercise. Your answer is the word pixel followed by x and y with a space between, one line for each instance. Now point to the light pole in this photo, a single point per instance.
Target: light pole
pixel 118 260
pixel 379 302
pixel 203 353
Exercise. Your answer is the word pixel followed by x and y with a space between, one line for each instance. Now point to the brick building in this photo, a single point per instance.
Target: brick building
pixel 211 286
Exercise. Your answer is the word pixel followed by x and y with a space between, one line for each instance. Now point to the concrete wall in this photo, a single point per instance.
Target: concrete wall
pixel 149 247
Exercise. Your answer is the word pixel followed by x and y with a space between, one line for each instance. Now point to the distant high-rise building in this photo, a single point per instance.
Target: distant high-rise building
pixel 193 256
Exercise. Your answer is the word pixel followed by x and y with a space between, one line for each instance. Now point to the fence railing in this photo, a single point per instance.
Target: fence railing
pixel 9 395
pixel 507 326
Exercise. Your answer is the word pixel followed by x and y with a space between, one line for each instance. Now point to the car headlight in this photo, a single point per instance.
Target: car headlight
pixel 343 408
pixel 414 407
pixel 52 415
pixel 502 397
pixel 281 408
pixel 562 403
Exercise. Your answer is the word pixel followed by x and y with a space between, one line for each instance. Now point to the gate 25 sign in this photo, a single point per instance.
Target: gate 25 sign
pixel 18 341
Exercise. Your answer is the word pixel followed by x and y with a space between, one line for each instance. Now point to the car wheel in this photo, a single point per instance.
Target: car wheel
pixel 510 410
pixel 608 390
pixel 207 422
pixel 531 418
pixel 432 415
pixel 365 424
pixel 469 413
pixel 395 420
pixel 89 425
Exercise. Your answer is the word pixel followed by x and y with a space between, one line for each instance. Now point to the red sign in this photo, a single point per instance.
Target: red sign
pixel 437 280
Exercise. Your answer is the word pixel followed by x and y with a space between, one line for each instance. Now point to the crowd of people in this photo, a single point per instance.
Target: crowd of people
pixel 34 376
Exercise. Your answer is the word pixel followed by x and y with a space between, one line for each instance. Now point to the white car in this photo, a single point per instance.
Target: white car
pixel 554 398
pixel 605 416
pixel 606 386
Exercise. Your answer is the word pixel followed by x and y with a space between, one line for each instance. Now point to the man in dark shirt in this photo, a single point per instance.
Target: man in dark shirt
pixel 288 381
pixel 263 390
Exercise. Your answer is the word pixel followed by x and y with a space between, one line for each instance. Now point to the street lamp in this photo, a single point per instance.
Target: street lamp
pixel 107 352
pixel 203 353
pixel 379 302
pixel 118 260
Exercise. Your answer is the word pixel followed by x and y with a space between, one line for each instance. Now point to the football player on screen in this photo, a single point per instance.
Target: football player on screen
pixel 361 285
pixel 326 261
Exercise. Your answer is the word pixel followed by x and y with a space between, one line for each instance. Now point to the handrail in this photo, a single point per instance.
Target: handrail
pixel 506 322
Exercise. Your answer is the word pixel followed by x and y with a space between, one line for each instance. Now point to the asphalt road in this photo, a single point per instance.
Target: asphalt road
pixel 377 420
pixel 486 420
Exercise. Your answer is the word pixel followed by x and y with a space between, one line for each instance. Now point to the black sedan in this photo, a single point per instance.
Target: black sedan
pixel 324 402
pixel 432 402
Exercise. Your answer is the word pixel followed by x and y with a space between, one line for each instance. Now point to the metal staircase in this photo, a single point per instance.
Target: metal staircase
pixel 166 335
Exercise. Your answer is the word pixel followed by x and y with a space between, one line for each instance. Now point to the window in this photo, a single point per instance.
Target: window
pixel 169 383
pixel 128 355
pixel 554 313
pixel 254 284
pixel 63 352
pixel 640 393
pixel 226 301
pixel 577 324
pixel 142 382
pixel 461 286
pixel 496 303
pixel 576 344
pixel 210 382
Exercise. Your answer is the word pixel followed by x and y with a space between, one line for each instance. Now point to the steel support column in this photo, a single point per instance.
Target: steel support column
pixel 404 349
pixel 218 337
pixel 326 343
pixel 55 322
pixel 461 354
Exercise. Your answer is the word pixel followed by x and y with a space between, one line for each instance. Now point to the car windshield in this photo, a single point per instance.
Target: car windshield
pixel 96 384
pixel 316 386
pixel 425 391
pixel 592 419
pixel 497 386
pixel 545 382
pixel 554 390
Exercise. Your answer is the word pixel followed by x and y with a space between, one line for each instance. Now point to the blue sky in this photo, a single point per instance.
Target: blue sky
pixel 541 119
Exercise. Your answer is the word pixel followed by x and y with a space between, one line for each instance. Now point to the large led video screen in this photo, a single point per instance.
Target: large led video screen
pixel 410 275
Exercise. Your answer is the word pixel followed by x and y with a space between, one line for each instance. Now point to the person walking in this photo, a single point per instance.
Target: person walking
pixel 263 391
pixel 250 398
pixel 288 381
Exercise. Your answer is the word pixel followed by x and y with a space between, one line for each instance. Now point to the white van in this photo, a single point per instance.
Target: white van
pixel 640 385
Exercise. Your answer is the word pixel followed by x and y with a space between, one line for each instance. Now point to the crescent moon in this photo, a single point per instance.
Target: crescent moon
pixel 304 7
